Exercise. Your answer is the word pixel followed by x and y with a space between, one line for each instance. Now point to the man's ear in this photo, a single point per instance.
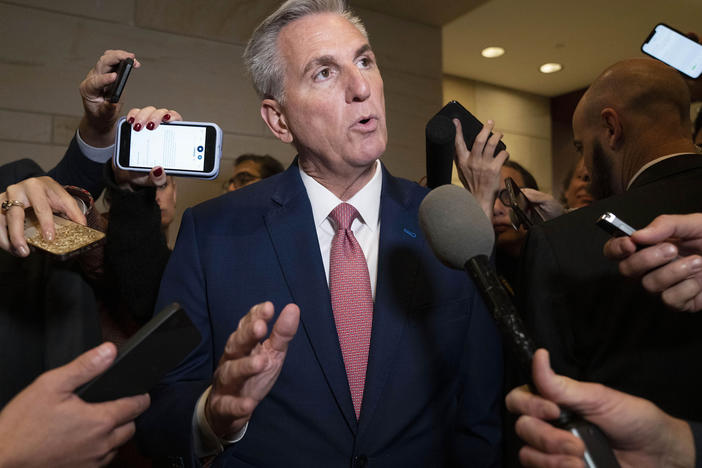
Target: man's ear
pixel 272 113
pixel 612 126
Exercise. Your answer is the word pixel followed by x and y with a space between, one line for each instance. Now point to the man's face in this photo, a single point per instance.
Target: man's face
pixel 334 102
pixel 598 162
pixel 245 173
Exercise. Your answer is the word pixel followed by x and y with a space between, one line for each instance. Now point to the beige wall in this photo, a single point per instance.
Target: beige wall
pixel 523 118
pixel 191 61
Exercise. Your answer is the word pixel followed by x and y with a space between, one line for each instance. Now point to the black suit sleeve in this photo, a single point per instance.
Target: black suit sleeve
pixel 136 251
pixel 75 169
pixel 16 171
pixel 543 301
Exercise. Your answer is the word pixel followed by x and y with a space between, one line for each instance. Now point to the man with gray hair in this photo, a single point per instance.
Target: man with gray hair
pixel 382 356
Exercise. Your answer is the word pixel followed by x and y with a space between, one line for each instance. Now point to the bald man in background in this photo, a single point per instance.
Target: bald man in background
pixel 633 128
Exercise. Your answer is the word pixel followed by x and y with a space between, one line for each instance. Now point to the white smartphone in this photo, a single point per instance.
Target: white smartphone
pixel 192 149
pixel 674 48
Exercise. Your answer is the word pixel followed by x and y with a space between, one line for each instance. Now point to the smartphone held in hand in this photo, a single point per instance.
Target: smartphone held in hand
pixel 115 90
pixel 470 124
pixel 70 239
pixel 675 49
pixel 191 149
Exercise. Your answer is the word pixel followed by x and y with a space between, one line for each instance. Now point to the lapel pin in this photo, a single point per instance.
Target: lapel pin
pixel 409 233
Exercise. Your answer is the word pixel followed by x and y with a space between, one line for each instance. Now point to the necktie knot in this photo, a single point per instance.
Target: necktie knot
pixel 343 215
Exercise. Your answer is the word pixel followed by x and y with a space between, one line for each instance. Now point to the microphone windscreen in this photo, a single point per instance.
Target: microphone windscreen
pixel 455 226
pixel 440 135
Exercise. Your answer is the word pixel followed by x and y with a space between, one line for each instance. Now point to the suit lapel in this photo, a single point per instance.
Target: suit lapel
pixel 291 228
pixel 399 233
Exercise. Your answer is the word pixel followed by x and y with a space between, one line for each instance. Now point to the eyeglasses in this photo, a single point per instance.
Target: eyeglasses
pixel 242 179
pixel 521 211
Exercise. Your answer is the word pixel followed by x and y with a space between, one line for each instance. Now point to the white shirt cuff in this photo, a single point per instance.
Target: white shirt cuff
pixel 98 155
pixel 206 443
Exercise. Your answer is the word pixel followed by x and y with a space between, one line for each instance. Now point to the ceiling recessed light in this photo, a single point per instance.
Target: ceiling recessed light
pixel 492 52
pixel 550 67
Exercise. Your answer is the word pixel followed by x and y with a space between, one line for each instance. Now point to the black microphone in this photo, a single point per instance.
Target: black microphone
pixel 462 238
pixel 440 136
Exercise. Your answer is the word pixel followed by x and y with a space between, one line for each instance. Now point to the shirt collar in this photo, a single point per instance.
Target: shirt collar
pixel 366 201
pixel 649 164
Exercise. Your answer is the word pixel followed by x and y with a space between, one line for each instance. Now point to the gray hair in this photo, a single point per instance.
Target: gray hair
pixel 262 58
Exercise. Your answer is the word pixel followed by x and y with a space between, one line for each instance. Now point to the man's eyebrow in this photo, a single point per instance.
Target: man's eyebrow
pixel 321 60
pixel 363 49
pixel 330 60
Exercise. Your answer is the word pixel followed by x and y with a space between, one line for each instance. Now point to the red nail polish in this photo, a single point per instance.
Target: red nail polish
pixel 137 127
pixel 131 120
pixel 150 126
pixel 158 171
pixel 167 117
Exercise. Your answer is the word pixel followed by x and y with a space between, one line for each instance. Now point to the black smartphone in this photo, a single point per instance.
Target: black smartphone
pixel 192 149
pixel 470 124
pixel 675 49
pixel 145 358
pixel 614 226
pixel 114 92
pixel 522 211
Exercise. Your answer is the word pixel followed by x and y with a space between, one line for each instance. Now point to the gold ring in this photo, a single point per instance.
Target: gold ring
pixel 7 204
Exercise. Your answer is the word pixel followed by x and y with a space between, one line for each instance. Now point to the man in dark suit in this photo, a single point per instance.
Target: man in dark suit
pixel 633 128
pixel 429 394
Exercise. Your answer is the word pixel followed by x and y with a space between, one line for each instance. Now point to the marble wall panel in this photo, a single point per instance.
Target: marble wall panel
pixel 24 126
pixel 230 21
pixel 109 10
pixel 204 80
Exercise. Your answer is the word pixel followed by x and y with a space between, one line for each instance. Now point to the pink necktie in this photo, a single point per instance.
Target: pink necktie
pixel 352 300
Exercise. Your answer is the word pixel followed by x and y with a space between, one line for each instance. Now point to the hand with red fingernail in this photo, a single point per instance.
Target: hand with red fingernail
pixel 147 118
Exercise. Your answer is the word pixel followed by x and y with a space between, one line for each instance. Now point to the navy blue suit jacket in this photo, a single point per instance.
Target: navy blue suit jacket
pixel 433 383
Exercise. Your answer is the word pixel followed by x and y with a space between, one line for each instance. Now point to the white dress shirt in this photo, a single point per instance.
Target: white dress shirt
pixel 367 233
pixel 366 230
pixel 99 155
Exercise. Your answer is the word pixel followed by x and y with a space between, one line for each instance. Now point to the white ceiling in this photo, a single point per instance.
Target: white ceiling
pixel 584 36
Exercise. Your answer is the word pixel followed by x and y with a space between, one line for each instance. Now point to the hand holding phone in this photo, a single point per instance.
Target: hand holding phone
pixel 70 239
pixel 470 125
pixel 192 149
pixel 114 92
pixel 675 49
pixel 522 212
pixel 614 226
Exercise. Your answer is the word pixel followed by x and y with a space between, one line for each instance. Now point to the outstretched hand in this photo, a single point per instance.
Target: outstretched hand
pixel 249 367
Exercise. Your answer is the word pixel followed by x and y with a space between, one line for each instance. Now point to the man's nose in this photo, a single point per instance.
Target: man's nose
pixel 357 86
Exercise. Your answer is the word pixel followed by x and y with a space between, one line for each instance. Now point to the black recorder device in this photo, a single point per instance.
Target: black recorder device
pixel 145 358
pixel 115 90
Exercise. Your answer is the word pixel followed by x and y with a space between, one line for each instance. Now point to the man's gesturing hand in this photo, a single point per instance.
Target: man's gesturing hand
pixel 248 367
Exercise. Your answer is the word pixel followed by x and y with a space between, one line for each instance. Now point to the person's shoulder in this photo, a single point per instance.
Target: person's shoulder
pixel 239 204
pixel 405 189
